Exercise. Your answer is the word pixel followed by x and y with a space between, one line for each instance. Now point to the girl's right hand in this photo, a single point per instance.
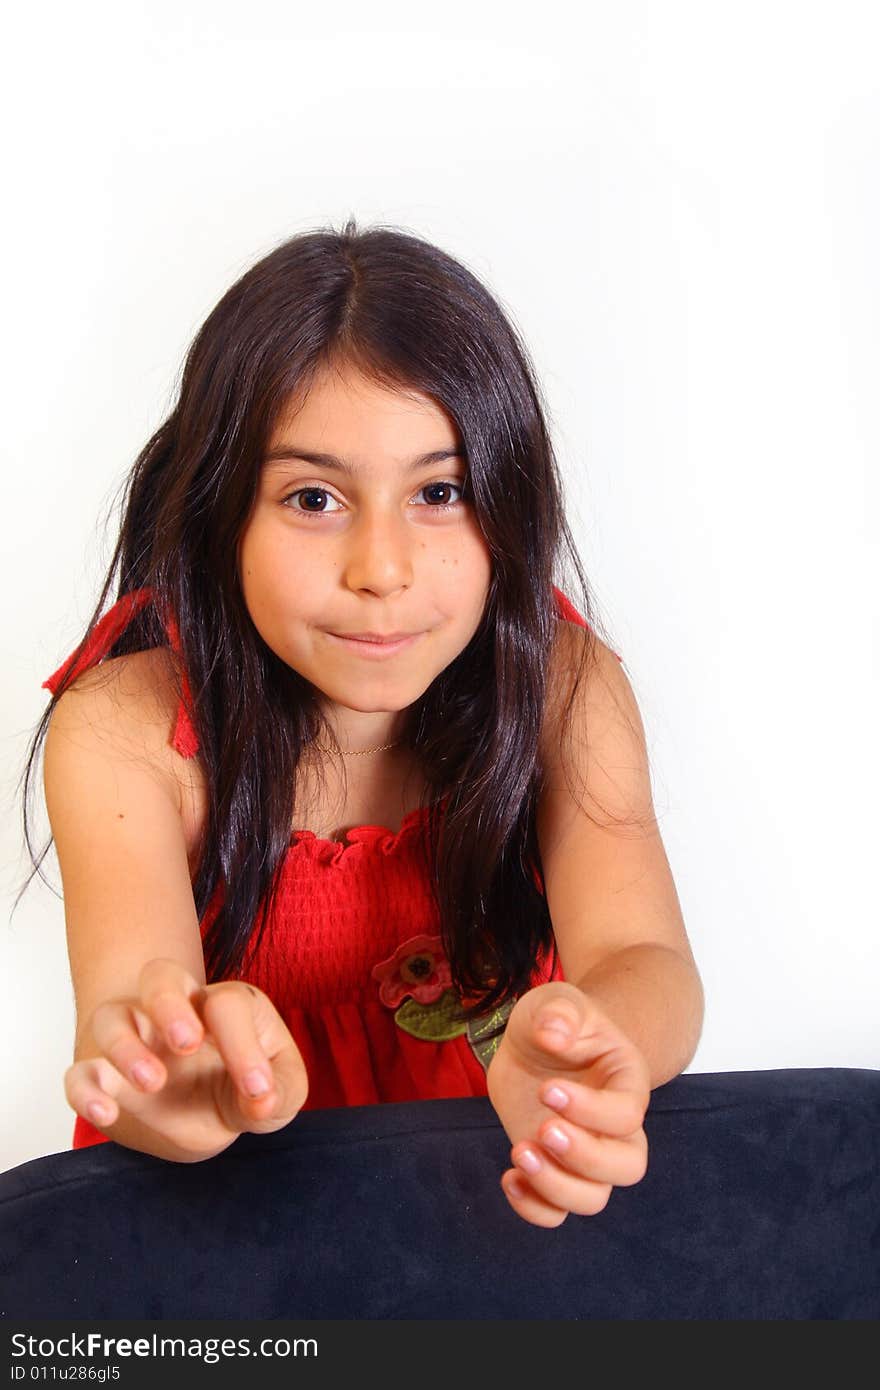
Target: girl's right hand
pixel 197 1094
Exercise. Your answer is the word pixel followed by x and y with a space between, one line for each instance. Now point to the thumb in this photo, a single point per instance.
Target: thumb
pixel 557 1025
pixel 275 1109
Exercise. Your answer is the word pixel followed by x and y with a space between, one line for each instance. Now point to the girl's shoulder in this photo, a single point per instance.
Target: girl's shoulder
pixel 583 674
pixel 132 701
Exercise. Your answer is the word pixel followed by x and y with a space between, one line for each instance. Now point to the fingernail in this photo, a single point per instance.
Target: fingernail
pixel 181 1035
pixel 144 1074
pixel 255 1083
pixel 99 1113
pixel 529 1162
pixel 516 1189
pixel 555 1023
pixel 554 1139
pixel 556 1097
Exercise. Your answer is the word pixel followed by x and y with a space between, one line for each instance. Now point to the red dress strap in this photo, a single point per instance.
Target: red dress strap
pixel 104 634
pixel 568 613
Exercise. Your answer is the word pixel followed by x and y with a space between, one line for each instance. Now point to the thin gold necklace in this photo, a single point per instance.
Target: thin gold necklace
pixel 357 752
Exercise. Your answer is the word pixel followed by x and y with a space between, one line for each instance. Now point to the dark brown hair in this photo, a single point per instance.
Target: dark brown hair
pixel 409 316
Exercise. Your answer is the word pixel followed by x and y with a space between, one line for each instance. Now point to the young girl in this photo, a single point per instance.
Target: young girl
pixel 351 804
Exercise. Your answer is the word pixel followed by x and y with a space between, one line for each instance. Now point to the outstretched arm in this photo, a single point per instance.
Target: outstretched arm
pixel 613 903
pixel 572 1098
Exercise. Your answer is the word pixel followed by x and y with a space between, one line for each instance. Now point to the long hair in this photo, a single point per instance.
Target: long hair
pixel 409 316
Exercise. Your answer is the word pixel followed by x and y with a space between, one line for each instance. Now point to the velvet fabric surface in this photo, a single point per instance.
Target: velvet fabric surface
pixel 761 1201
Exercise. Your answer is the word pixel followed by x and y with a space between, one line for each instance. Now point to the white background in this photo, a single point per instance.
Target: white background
pixel 678 206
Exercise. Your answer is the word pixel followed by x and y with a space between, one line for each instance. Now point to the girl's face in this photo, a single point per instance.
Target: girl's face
pixel 371 538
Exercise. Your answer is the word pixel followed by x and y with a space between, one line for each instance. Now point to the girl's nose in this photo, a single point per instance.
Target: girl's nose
pixel 378 553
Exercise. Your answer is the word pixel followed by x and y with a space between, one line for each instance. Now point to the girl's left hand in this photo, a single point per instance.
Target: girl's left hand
pixel 606 1080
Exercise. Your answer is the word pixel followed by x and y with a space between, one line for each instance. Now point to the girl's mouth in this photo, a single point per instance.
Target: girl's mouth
pixel 376 650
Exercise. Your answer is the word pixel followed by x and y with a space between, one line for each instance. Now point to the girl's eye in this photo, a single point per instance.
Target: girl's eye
pixel 309 493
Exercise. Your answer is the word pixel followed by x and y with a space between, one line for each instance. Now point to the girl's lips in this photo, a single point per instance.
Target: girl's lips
pixel 375 650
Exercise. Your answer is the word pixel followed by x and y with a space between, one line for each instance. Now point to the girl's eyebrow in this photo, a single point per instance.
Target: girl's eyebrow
pixel 287 453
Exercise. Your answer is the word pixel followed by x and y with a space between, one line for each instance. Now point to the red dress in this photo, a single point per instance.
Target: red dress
pixel 352 959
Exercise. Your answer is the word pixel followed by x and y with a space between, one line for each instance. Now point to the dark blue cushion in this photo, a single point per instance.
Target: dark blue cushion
pixel 761 1200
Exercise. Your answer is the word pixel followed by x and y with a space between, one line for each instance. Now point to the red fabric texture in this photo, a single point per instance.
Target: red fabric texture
pixel 355 921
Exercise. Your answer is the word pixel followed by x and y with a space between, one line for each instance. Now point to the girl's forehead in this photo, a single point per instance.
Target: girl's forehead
pixel 353 389
pixel 334 407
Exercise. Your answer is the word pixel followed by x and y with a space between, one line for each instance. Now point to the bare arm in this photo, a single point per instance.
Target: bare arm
pixel 135 946
pixel 616 914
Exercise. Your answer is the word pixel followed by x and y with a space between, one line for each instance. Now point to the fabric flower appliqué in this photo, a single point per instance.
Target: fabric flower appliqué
pixel 420 969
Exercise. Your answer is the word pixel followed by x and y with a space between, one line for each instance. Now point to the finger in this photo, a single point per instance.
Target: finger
pixel 557 1187
pixel 526 1202
pixel 230 1015
pixel 615 1113
pixel 251 1034
pixel 621 1162
pixel 96 1091
pixel 117 1036
pixel 172 997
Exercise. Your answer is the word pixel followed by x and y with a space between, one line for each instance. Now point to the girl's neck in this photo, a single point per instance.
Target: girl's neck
pixel 345 792
pixel 362 735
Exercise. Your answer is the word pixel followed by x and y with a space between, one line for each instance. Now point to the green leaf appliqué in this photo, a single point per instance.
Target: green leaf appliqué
pixel 484 1049
pixel 434 1022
